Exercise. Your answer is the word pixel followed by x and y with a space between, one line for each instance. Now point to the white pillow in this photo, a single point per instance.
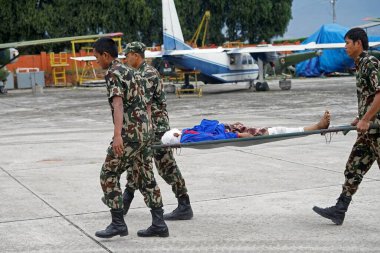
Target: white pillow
pixel 170 138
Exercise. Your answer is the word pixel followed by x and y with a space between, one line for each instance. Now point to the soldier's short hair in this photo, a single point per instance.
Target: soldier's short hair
pixel 135 47
pixel 106 45
pixel 356 34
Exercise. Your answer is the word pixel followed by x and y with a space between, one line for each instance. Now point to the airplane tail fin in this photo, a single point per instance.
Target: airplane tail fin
pixel 173 37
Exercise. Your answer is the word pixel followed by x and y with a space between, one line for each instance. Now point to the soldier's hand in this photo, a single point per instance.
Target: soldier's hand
pixel 362 126
pixel 117 145
pixel 355 122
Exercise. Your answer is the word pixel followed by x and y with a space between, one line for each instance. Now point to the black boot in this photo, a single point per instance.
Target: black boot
pixel 117 226
pixel 335 213
pixel 158 227
pixel 183 211
pixel 127 200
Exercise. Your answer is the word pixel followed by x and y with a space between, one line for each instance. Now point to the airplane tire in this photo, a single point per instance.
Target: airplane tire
pixel 188 86
pixel 262 86
pixel 285 84
pixel 3 90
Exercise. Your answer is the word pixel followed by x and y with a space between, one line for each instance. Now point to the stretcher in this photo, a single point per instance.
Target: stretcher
pixel 257 140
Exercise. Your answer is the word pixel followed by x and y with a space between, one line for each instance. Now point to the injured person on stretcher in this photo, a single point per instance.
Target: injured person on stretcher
pixel 210 130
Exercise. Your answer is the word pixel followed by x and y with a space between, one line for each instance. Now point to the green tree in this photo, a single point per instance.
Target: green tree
pixel 257 20
pixel 245 20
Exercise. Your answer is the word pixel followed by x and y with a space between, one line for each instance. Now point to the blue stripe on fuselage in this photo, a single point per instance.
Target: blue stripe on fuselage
pixel 171 43
pixel 208 68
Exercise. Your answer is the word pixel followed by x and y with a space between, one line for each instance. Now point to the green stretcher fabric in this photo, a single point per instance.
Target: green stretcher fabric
pixel 257 140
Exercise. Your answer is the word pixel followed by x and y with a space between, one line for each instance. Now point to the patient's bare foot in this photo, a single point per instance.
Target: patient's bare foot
pixel 323 123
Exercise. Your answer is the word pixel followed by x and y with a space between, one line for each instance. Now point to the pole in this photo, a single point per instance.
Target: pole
pixel 333 2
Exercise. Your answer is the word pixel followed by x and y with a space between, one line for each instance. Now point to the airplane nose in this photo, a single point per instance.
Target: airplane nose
pixel 13 54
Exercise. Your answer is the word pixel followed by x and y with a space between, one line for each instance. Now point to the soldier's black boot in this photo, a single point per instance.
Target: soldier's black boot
pixel 158 227
pixel 335 213
pixel 127 200
pixel 117 226
pixel 183 211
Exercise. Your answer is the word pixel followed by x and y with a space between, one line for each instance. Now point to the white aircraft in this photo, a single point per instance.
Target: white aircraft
pixel 226 65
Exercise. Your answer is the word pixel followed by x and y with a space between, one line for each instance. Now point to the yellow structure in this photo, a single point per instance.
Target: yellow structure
pixel 88 71
pixel 58 63
pixel 197 92
pixel 194 39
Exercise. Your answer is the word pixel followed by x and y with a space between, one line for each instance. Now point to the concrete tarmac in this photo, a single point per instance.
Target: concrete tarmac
pixel 252 199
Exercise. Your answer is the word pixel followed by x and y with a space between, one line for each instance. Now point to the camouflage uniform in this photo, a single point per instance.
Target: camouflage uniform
pixel 163 158
pixel 136 133
pixel 366 149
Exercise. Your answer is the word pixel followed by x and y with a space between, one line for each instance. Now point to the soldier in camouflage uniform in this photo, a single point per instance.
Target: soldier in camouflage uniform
pixel 163 158
pixel 366 149
pixel 130 143
pixel 4 73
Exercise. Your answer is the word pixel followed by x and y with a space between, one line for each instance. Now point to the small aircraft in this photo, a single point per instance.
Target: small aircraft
pixel 228 65
pixel 223 65
pixel 9 53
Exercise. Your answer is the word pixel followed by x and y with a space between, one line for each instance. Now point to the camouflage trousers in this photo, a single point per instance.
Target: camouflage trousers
pixel 136 153
pixel 365 152
pixel 167 168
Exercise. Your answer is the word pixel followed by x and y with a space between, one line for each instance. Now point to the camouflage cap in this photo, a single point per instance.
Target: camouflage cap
pixel 135 47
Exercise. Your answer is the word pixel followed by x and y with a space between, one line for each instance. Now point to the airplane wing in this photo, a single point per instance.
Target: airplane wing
pixel 373 22
pixel 91 58
pixel 368 25
pixel 55 40
pixel 258 49
pixel 148 54
pixel 309 46
pixel 153 54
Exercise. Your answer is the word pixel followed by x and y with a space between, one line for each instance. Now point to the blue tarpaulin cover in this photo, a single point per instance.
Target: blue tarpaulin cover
pixel 331 60
pixel 207 130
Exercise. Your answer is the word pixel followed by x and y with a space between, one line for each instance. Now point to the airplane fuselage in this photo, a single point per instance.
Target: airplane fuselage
pixel 218 67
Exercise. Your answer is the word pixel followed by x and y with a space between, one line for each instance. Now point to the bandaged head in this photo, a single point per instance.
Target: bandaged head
pixel 172 136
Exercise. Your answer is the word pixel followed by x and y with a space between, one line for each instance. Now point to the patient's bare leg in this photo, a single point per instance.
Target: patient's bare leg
pixel 323 123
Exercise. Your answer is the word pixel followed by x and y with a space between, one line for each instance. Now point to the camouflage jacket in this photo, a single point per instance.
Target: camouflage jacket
pixel 123 81
pixel 154 93
pixel 367 84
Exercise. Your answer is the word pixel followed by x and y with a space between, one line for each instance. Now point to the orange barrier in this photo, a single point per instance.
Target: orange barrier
pixel 42 61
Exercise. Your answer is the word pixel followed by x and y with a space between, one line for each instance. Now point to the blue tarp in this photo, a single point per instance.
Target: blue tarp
pixel 207 130
pixel 331 60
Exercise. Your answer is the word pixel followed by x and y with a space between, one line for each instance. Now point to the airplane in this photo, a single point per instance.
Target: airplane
pixel 224 65
pixel 9 53
pixel 227 65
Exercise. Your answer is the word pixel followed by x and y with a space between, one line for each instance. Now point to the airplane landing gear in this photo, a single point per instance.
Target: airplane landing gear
pixel 3 90
pixel 252 86
pixel 285 84
pixel 189 88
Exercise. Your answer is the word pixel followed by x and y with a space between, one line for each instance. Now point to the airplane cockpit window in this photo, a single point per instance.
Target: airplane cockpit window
pixel 232 60
pixel 250 60
pixel 244 60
